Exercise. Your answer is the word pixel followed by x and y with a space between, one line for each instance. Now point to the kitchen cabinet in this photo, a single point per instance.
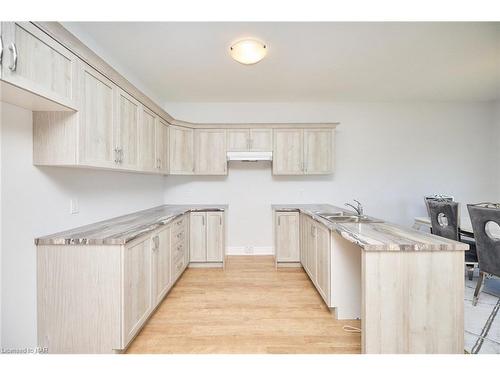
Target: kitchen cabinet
pixel 35 62
pixel 288 152
pixel 161 264
pixel 303 151
pixel 126 131
pixel 249 140
pixel 318 158
pixel 97 119
pixel 198 237
pixel 181 150
pixel 215 236
pixel 161 139
pixel 315 254
pixel 210 152
pixel 147 147
pixel 206 236
pixel 237 139
pixel 323 261
pixel 287 234
pixel 137 301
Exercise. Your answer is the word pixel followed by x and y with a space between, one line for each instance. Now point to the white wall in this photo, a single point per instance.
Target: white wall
pixel 36 201
pixel 387 155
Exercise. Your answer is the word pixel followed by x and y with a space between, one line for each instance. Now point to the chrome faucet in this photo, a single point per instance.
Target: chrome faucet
pixel 358 209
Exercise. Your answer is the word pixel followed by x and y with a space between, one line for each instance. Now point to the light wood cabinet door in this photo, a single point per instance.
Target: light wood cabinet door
pixel 127 129
pixel 161 139
pixel 198 237
pixel 210 152
pixel 137 299
pixel 147 147
pixel 311 250
pixel 288 152
pixel 238 139
pixel 215 236
pixel 287 236
pixel 318 144
pixel 261 139
pixel 181 150
pixel 161 264
pixel 97 119
pixel 323 261
pixel 35 62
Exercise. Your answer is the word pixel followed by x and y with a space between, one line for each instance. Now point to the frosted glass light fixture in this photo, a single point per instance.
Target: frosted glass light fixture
pixel 248 51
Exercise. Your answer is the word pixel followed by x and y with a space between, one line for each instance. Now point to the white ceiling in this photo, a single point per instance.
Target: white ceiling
pixel 308 62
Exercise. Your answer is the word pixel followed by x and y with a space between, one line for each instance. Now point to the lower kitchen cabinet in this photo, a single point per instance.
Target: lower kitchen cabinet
pixel 206 236
pixel 323 261
pixel 95 299
pixel 161 264
pixel 137 296
pixel 286 235
pixel 315 254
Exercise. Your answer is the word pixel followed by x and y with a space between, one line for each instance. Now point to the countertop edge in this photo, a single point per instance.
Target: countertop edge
pixel 59 239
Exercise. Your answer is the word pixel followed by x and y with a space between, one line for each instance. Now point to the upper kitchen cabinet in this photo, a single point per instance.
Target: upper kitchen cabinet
pixel 36 63
pixel 161 145
pixel 288 153
pixel 127 130
pixel 97 120
pixel 147 147
pixel 261 139
pixel 318 151
pixel 181 150
pixel 303 151
pixel 249 140
pixel 210 154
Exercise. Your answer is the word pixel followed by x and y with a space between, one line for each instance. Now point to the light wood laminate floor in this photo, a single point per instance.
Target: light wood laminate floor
pixel 250 307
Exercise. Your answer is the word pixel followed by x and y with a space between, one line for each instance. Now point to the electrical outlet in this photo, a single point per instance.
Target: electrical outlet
pixel 73 206
pixel 248 250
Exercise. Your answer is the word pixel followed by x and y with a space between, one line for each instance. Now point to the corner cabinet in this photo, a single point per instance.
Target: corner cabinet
pixel 210 152
pixel 181 150
pixel 303 151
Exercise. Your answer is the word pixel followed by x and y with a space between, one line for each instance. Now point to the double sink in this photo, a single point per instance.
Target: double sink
pixel 343 217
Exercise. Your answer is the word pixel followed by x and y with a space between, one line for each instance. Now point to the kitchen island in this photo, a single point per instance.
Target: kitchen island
pixel 406 286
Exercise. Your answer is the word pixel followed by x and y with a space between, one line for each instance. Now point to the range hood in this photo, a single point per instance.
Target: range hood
pixel 250 155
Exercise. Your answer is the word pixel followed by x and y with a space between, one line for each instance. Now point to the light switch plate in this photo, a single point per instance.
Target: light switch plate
pixel 73 206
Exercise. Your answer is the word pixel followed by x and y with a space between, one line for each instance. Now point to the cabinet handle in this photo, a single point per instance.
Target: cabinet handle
pixel 203 220
pixel 279 220
pixel 220 220
pixel 156 242
pixel 1 49
pixel 116 155
pixel 13 50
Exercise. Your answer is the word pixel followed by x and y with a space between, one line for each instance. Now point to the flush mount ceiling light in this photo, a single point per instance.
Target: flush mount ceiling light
pixel 248 51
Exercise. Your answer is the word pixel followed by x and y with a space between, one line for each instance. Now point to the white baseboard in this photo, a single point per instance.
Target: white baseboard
pixel 251 250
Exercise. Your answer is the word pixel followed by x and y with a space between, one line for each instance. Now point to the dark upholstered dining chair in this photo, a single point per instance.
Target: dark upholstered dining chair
pixel 487 243
pixel 444 222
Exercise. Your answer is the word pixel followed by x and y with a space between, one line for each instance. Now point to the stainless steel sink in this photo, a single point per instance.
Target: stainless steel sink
pixel 341 217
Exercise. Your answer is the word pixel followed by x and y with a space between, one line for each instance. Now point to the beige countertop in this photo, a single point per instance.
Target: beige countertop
pixel 376 236
pixel 122 229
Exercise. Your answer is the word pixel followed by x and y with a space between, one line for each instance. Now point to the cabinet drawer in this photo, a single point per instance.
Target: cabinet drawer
pixel 179 250
pixel 179 236
pixel 178 267
pixel 179 223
